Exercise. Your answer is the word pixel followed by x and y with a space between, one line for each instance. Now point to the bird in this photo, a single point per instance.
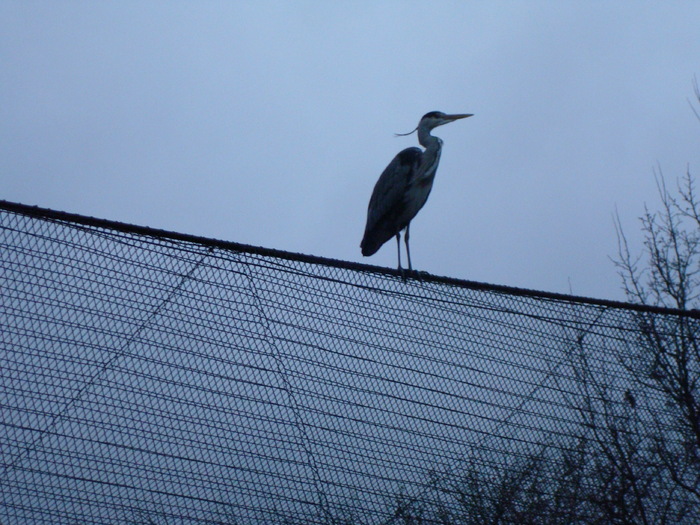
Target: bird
pixel 404 187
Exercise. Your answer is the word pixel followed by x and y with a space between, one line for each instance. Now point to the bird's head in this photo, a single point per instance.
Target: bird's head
pixel 436 118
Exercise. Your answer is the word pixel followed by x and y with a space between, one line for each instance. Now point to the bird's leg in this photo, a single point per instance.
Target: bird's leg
pixel 398 247
pixel 408 250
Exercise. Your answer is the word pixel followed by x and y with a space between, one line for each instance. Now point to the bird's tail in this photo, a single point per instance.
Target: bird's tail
pixel 373 240
pixel 369 248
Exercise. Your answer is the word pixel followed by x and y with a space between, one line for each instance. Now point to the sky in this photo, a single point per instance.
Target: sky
pixel 268 123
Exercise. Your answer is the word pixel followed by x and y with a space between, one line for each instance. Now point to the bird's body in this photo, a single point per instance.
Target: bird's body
pixel 404 187
pixel 390 208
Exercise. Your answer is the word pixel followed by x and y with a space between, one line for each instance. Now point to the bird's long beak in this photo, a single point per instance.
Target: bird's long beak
pixel 458 116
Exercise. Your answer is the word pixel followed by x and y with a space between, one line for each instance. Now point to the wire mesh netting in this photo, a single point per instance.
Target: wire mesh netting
pixel 148 378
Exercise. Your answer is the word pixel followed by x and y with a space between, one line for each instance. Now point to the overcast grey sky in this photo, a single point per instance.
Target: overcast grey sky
pixel 268 123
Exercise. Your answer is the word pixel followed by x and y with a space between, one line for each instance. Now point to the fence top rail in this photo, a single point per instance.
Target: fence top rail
pixel 50 214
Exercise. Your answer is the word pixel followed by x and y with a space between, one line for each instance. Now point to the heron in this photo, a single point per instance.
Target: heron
pixel 404 187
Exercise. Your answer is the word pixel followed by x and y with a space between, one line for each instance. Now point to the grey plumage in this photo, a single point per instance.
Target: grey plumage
pixel 386 213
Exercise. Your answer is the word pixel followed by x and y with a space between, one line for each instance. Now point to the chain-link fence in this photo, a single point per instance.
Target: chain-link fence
pixel 150 377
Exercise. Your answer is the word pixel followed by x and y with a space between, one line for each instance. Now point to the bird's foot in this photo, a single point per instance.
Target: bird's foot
pixel 418 275
pixel 402 273
pixel 410 273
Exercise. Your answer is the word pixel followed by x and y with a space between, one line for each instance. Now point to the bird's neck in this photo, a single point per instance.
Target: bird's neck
pixel 432 146
pixel 428 141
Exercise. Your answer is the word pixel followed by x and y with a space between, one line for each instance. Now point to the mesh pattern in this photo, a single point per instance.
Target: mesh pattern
pixel 150 379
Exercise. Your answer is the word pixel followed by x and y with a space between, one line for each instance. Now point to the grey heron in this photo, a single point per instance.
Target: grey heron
pixel 403 187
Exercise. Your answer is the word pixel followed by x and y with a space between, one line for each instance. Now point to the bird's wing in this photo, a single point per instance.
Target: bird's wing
pixel 388 200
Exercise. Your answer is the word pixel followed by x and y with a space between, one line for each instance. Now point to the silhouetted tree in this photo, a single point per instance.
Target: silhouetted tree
pixel 664 359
